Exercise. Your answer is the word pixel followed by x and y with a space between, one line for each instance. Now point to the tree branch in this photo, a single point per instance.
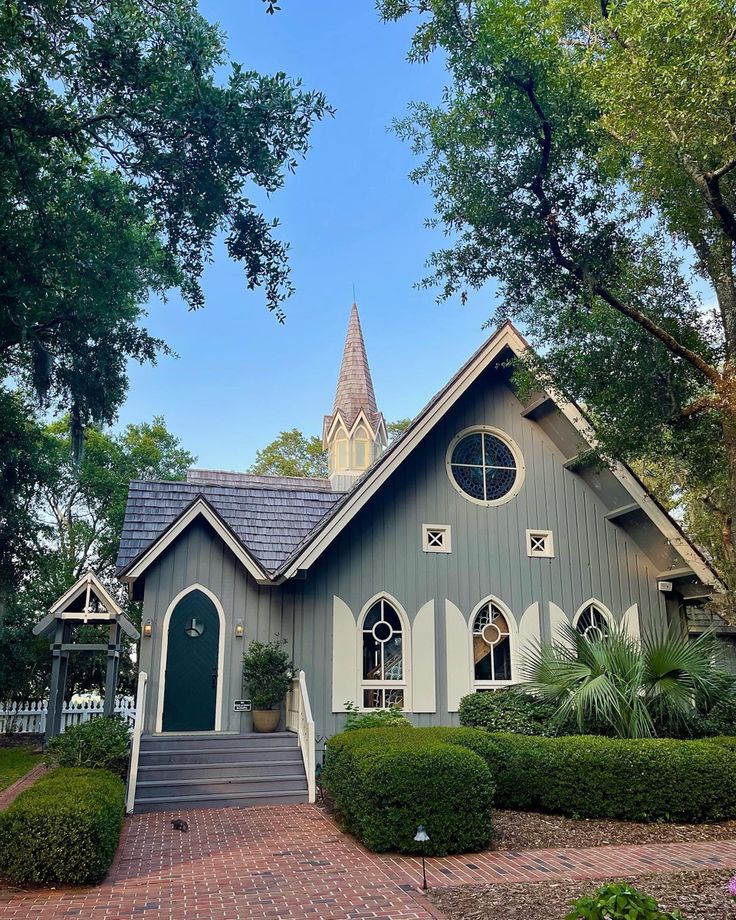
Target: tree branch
pixel 579 271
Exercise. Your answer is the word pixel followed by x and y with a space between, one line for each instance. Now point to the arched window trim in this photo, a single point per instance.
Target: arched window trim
pixel 165 650
pixel 512 446
pixel 600 606
pixel 513 644
pixel 405 682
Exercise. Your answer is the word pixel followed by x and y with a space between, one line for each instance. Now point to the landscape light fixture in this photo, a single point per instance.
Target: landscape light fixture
pixel 422 837
pixel 148 629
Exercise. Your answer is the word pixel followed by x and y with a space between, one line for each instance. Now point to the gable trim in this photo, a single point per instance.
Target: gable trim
pixel 200 507
pixel 85 583
pixel 507 336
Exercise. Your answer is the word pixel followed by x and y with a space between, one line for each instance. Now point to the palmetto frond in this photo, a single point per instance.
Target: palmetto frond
pixel 618 681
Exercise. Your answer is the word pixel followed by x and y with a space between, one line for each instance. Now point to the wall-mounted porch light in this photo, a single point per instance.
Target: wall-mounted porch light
pixel 239 629
pixel 148 629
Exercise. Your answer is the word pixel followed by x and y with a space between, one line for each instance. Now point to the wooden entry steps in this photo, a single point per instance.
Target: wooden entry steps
pixel 178 772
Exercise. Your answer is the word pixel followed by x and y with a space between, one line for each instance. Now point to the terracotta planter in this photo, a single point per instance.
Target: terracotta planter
pixel 266 720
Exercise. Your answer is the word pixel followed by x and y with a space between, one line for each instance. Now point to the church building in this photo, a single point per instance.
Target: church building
pixel 417 572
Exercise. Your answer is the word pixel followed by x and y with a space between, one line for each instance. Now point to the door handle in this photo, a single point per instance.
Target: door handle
pixel 214 678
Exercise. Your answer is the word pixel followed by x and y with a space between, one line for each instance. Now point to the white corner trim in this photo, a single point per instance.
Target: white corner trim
pixel 549 544
pixel 512 446
pixel 198 508
pixel 165 648
pixel 430 545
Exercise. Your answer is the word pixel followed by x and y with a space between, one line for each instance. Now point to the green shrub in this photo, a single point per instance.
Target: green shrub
pixel 618 902
pixel 721 720
pixel 267 672
pixel 376 718
pixel 64 830
pixel 508 711
pixel 658 779
pixel 388 781
pixel 100 744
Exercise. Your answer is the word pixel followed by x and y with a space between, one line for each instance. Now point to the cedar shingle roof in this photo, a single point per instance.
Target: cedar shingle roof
pixel 271 515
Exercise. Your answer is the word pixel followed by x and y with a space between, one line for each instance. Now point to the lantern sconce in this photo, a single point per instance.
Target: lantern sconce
pixel 239 629
pixel 148 629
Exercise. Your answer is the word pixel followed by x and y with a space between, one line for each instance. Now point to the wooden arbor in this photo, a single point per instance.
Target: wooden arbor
pixel 85 602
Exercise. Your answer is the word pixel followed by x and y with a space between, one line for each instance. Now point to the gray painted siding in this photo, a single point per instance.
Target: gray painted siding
pixel 381 550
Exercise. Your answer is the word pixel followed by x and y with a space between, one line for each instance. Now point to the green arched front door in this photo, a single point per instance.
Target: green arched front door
pixel 191 665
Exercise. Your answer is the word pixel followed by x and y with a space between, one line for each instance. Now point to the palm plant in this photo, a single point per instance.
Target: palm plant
pixel 621 683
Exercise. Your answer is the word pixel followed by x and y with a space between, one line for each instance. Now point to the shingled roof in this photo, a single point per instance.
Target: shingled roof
pixel 270 515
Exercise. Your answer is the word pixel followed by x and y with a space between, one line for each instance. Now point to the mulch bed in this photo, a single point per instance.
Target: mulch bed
pixel 21 739
pixel 698 895
pixel 524 830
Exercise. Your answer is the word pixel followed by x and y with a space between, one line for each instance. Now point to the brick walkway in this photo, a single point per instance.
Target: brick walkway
pixel 292 862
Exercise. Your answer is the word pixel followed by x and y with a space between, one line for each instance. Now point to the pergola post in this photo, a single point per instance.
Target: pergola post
pixel 113 667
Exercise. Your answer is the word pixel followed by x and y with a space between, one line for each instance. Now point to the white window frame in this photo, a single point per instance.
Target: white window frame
pixel 512 446
pixel 603 610
pixel 549 547
pixel 430 547
pixel 403 684
pixel 513 645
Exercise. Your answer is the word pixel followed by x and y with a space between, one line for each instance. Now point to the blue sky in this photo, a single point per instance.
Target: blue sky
pixel 352 217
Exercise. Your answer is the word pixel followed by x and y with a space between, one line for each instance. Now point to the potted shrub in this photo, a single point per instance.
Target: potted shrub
pixel 267 673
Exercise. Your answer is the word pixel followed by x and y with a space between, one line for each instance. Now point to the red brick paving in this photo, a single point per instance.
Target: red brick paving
pixel 292 862
pixel 9 795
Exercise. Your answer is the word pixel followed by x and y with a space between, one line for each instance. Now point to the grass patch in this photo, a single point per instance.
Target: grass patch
pixel 15 763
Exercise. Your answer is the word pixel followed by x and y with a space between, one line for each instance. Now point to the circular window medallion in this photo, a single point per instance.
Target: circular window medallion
pixel 485 466
pixel 382 631
pixel 491 634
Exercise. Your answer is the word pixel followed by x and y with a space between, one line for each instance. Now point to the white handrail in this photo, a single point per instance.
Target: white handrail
pixel 299 719
pixel 135 749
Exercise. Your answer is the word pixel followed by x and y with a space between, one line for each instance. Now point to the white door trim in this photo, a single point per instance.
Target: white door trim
pixel 165 648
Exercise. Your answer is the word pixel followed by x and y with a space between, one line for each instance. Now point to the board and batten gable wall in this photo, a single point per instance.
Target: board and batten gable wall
pixel 381 550
pixel 200 557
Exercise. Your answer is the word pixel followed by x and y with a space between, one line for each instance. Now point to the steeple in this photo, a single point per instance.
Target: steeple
pixel 355 434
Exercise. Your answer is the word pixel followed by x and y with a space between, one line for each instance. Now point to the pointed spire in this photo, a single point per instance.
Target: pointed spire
pixel 354 385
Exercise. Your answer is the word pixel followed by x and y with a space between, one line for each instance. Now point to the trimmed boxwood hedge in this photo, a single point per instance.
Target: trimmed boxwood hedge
pixel 588 776
pixel 386 782
pixel 64 830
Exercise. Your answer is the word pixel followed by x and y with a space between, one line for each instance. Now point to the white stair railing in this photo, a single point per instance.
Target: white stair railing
pixel 299 720
pixel 135 749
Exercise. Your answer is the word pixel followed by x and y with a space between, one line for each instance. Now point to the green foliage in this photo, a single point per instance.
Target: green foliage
pixel 618 902
pixel 721 719
pixel 130 143
pixel 653 779
pixel 376 718
pixel 267 672
pixel 101 743
pixel 509 711
pixel 622 683
pixel 582 162
pixel 388 781
pixel 15 762
pixel 292 454
pixel 64 830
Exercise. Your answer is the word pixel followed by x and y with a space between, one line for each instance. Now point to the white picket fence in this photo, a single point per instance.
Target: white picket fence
pixel 30 715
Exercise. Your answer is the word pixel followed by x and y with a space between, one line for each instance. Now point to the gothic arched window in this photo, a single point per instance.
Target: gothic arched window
pixel 491 644
pixel 383 678
pixel 592 621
